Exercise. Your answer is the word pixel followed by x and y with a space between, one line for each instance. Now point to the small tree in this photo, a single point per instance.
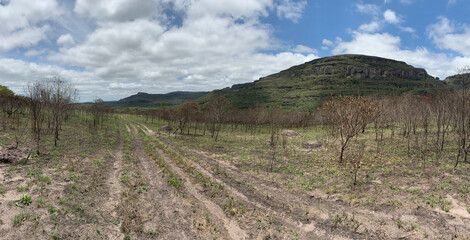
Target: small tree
pixel 63 94
pixel 273 118
pixel 216 110
pixel 186 114
pixel 38 94
pixel 348 115
pixel 98 110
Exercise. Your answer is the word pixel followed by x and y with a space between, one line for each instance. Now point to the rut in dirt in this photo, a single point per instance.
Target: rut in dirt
pixel 292 205
pixel 231 227
pixel 172 216
pixel 308 230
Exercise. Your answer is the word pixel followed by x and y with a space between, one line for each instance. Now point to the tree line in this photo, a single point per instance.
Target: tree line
pixel 47 104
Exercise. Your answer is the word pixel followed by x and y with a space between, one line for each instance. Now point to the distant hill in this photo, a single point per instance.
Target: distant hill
pixel 307 85
pixel 142 99
pixel 456 81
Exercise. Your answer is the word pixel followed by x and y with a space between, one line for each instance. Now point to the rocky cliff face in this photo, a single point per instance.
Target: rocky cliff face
pixel 360 67
pixel 367 72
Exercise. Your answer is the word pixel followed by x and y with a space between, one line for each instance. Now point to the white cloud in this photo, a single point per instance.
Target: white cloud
pixel 391 17
pixel 115 10
pixel 304 49
pixel 447 35
pixel 291 10
pixel 33 52
pixel 22 38
pixel 18 22
pixel 218 44
pixel 406 2
pixel 65 40
pixel 370 9
pixel 388 46
pixel 407 29
pixel 373 26
pixel 17 73
pixel 124 46
pixel 327 42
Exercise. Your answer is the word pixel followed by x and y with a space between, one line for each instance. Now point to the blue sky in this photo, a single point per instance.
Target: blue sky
pixel 114 48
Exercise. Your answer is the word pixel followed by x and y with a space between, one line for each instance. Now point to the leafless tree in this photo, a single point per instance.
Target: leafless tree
pixel 349 115
pixel 463 116
pixel 216 110
pixel 38 94
pixel 63 95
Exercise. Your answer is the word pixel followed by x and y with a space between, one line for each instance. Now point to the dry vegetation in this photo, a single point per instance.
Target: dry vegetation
pixel 389 168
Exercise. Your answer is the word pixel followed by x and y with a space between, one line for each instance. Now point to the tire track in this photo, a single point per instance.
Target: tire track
pixel 231 226
pixel 170 211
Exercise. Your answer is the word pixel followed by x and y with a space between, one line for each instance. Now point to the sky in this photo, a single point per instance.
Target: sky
pixel 111 49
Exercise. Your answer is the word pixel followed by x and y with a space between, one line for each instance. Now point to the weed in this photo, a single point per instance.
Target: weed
pixel 174 181
pixel 142 187
pixel 230 203
pixel 152 233
pixel 127 236
pixel 26 199
pixel 413 227
pixel 77 209
pixel 442 202
pixel 12 168
pixel 415 191
pixel 445 185
pixel 51 209
pixel 125 179
pixel 2 191
pixel 208 218
pixel 399 224
pixel 468 209
pixel 98 163
pixel 464 189
pixel 73 176
pixel 40 202
pixel 44 179
pixel 20 218
pixel 382 221
pixel 339 218
pixel 22 188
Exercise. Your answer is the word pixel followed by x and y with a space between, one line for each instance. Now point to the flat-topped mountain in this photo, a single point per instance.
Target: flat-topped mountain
pixel 307 85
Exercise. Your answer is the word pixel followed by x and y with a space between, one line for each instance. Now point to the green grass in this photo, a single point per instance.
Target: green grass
pixel 22 188
pixel 20 218
pixel 175 181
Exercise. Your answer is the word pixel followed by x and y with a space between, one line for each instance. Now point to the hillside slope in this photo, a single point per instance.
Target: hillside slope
pixel 307 85
pixel 142 99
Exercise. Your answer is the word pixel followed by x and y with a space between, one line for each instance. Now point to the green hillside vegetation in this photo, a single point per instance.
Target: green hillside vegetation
pixel 456 81
pixel 307 85
pixel 142 99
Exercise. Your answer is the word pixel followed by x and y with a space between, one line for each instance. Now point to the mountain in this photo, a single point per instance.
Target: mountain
pixel 142 99
pixel 456 81
pixel 307 85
